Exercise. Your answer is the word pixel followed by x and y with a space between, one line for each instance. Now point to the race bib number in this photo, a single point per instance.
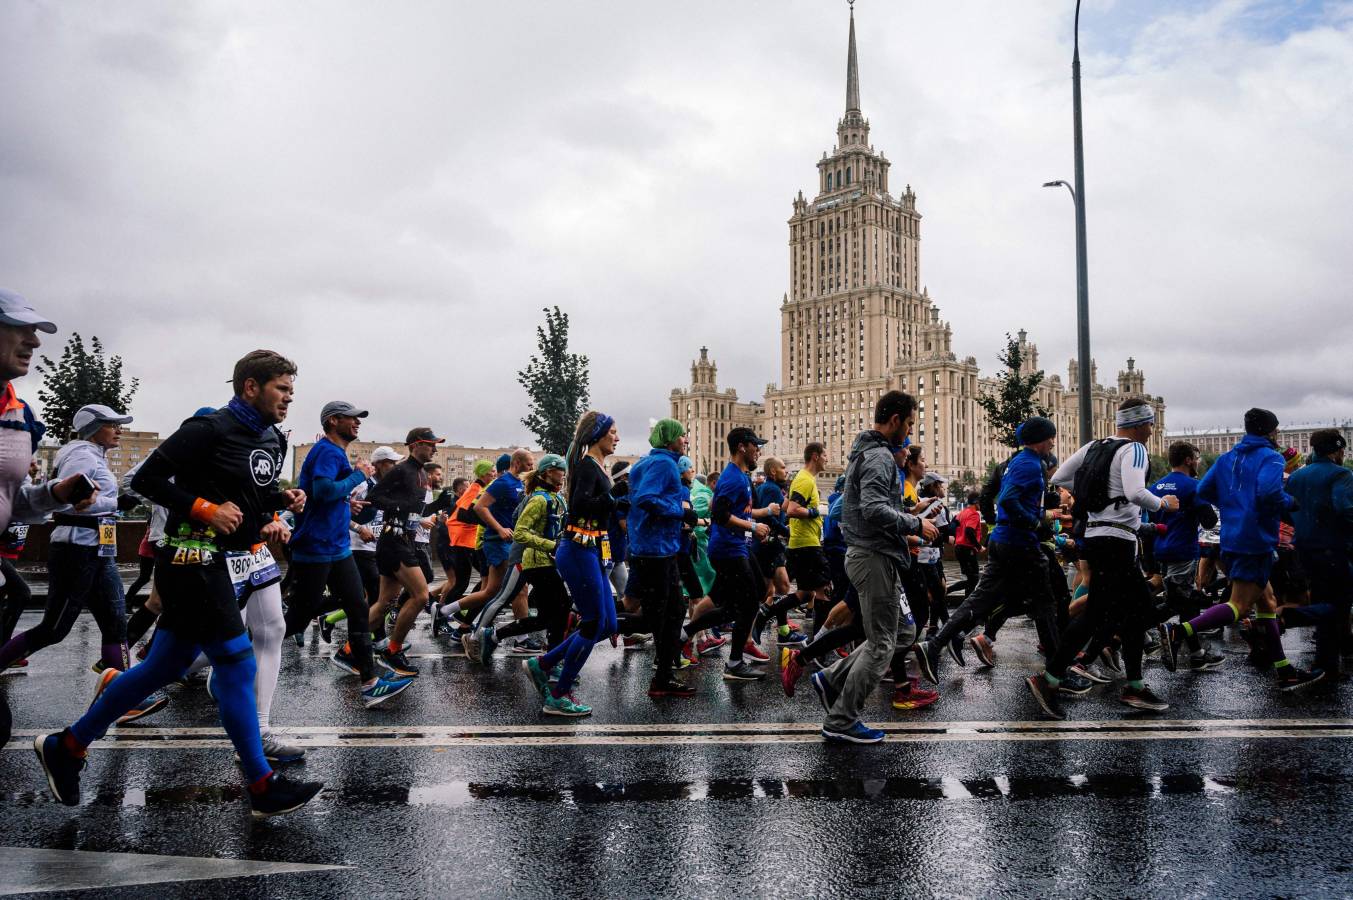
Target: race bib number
pixel 107 537
pixel 904 606
pixel 251 569
pixel 605 549
pixel 928 555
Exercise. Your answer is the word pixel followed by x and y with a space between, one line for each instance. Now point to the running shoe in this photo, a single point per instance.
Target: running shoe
pixel 843 652
pixel 564 706
pixel 637 641
pixel 742 671
pixel 928 661
pixel 1112 659
pixel 523 647
pixel 983 649
pixel 1089 673
pixel 282 796
pixel 470 642
pixel 956 650
pixel 211 678
pixel 488 642
pixel 1046 695
pixel 61 766
pixel 326 630
pixel 689 657
pixel 759 624
pixel 1075 683
pixel 278 752
pixel 791 670
pixel 440 624
pixel 345 660
pixel 710 645
pixel 539 677
pixel 98 667
pixel 105 678
pixel 386 686
pixel 397 663
pixel 1171 640
pixel 153 703
pixel 912 696
pixel 859 733
pixel 670 687
pixel 756 653
pixel 1205 661
pixel 299 638
pixel 795 638
pixel 1142 698
pixel 825 694
pixel 1291 678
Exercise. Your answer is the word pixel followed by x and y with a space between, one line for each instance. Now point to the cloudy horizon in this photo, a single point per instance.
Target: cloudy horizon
pixel 391 196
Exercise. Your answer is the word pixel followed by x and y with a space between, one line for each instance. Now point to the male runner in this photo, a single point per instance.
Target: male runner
pixel 217 476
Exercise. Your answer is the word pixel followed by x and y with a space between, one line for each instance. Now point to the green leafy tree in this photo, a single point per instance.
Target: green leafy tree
pixel 1013 401
pixel 557 383
pixel 960 486
pixel 82 376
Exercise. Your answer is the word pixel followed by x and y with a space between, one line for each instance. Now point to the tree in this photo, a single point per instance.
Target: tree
pixel 1013 401
pixel 557 383
pixel 81 377
pixel 963 484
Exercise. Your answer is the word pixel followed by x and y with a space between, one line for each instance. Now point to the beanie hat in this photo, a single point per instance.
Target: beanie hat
pixel 664 432
pixel 482 468
pixel 1035 430
pixel 684 465
pixel 504 462
pixel 551 461
pixel 1260 422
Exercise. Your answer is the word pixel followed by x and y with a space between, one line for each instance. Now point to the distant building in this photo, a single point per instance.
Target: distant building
pixel 1216 441
pixel 456 460
pixel 133 447
pixel 858 321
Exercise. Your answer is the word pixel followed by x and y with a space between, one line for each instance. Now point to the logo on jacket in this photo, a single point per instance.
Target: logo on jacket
pixel 262 467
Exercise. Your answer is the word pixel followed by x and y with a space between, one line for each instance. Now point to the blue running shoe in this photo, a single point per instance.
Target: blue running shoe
pixel 859 733
pixel 61 767
pixel 386 686
pixel 487 644
pixel 825 695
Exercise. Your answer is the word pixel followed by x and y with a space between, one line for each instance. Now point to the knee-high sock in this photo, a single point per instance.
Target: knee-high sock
pixel 1212 617
pixel 267 627
pixel 1267 624
pixel 233 675
pixel 168 659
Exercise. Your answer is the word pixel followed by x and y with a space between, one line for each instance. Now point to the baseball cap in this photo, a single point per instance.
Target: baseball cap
pixel 15 310
pixel 551 461
pixel 340 408
pixel 744 436
pixel 385 454
pixel 88 418
pixel 930 478
pixel 423 434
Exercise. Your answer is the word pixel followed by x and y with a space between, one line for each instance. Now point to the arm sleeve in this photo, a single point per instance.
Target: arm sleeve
pixel 1015 481
pixel 33 503
pixel 1271 496
pixel 1065 475
pixel 723 510
pixel 391 493
pixel 1207 488
pixel 1132 463
pixel 876 502
pixel 527 531
pixel 1207 516
pixel 155 482
pixel 662 499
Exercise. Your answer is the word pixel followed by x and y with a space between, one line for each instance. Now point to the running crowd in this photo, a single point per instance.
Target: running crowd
pixel 544 557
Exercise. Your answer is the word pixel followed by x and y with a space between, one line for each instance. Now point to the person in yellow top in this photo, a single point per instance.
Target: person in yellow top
pixel 805 559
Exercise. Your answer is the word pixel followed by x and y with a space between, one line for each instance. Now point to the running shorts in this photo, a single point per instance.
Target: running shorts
pixel 1255 568
pixel 770 555
pixel 394 550
pixel 808 567
pixel 198 600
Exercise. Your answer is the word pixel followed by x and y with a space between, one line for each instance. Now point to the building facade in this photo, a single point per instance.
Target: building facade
pixel 1216 441
pixel 858 321
pixel 456 461
pixel 133 447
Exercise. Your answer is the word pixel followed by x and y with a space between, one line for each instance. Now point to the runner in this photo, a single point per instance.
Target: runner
pixel 1246 484
pixel 617 527
pixel 579 559
pixel 362 536
pixel 15 594
pixel 463 531
pixel 1108 481
pixel 497 509
pixel 968 543
pixel 805 560
pixel 321 550
pixel 876 529
pixel 217 475
pixel 771 559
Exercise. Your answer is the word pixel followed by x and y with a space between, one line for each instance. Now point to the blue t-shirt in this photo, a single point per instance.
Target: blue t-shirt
pixel 769 493
pixel 506 491
pixel 321 533
pixel 1179 543
pixel 1019 505
pixel 832 537
pixel 735 488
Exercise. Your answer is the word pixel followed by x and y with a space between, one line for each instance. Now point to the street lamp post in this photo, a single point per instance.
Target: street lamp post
pixel 1084 385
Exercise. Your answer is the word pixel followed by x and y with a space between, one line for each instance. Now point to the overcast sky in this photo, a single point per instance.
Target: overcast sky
pixel 390 193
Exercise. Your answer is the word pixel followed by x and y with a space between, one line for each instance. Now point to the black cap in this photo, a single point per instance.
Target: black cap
pixel 423 435
pixel 744 436
pixel 1260 422
pixel 1327 442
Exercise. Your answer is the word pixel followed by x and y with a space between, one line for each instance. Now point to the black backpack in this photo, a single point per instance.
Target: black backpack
pixel 986 501
pixel 1090 488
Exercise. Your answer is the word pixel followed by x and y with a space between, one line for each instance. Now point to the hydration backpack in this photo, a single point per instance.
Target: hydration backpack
pixel 1090 488
pixel 986 501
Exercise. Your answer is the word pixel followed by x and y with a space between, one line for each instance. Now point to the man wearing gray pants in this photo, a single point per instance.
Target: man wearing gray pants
pixel 875 526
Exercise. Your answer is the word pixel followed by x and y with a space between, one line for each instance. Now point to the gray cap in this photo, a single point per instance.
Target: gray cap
pixel 89 418
pixel 339 408
pixel 15 310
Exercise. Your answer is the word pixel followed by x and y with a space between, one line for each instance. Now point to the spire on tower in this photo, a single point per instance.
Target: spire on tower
pixel 852 69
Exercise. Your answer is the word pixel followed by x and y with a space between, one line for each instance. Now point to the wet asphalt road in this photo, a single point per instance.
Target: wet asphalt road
pixel 446 810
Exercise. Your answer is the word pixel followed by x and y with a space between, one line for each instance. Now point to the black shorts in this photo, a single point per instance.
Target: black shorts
pixel 394 550
pixel 198 601
pixel 769 555
pixel 808 567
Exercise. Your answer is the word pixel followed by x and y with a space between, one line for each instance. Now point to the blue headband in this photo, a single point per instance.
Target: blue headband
pixel 604 424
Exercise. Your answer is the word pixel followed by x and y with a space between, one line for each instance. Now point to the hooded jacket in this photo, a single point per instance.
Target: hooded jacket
pixel 1323 491
pixel 655 505
pixel 92 460
pixel 1246 484
pixel 872 515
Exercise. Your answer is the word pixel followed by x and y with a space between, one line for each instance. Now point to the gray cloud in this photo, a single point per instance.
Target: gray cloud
pixel 391 196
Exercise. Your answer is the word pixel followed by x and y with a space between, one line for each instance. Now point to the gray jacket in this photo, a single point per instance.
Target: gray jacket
pixel 872 515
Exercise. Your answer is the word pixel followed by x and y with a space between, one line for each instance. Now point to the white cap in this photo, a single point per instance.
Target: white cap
pixel 88 418
pixel 384 454
pixel 15 310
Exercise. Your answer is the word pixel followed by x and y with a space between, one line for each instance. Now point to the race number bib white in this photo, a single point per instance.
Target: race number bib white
pixel 928 555
pixel 251 569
